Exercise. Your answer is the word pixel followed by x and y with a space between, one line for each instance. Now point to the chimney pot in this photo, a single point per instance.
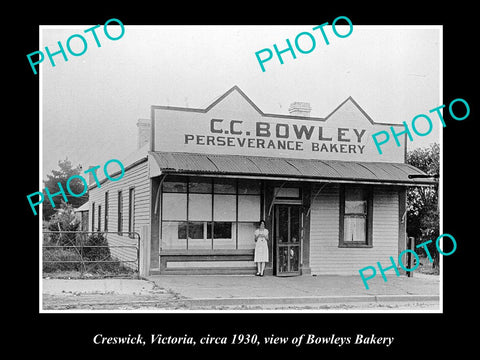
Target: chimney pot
pixel 298 108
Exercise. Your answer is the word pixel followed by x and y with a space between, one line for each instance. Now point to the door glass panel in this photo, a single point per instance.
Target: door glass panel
pixel 282 259
pixel 282 235
pixel 293 253
pixel 294 224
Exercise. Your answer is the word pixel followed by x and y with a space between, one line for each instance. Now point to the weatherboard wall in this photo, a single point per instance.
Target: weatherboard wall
pixel 135 177
pixel 327 258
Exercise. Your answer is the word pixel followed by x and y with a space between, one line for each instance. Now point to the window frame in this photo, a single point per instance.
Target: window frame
pixel 99 216
pixel 93 216
pixel 105 215
pixel 210 224
pixel 131 212
pixel 369 219
pixel 119 212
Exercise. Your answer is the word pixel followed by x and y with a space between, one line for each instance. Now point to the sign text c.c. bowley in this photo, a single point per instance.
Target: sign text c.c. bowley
pixel 279 136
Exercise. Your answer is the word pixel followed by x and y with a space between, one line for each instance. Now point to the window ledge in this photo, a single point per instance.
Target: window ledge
pixel 355 245
pixel 208 252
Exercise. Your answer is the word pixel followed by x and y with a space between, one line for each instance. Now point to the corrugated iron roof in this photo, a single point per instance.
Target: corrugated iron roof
pixel 380 172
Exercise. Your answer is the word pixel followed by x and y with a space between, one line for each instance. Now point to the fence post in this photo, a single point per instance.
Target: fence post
pixel 411 246
pixel 82 264
pixel 144 253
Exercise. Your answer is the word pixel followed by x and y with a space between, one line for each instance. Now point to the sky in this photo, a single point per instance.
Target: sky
pixel 90 104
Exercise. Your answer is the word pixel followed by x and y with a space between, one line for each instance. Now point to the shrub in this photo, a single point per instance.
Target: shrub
pixel 81 251
pixel 58 255
pixel 63 220
pixel 96 253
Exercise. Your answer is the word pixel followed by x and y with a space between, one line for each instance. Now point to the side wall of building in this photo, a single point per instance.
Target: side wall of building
pixel 136 178
pixel 326 257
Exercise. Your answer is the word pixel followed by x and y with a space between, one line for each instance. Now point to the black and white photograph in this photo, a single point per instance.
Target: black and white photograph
pixel 291 184
pixel 249 187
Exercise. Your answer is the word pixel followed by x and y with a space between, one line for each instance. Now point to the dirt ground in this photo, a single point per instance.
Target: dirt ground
pixel 169 301
pixel 112 302
pixel 201 294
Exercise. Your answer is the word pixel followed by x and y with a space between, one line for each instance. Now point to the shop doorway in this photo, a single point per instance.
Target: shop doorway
pixel 286 239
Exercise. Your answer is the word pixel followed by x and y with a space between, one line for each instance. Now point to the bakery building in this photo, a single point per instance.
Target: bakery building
pixel 201 179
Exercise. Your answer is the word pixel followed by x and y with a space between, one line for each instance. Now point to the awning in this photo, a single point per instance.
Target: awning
pixel 288 169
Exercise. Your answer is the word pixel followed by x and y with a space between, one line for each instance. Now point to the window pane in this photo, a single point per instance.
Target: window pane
pixel 200 185
pixel 282 235
pixel 287 192
pixel 200 207
pixel 248 208
pixel 224 235
pixel 246 238
pixel 222 230
pixel 175 184
pixel 355 201
pixel 294 254
pixel 173 235
pixel 355 228
pixel 249 186
pixel 200 235
pixel 224 186
pixel 295 224
pixel 224 207
pixel 283 259
pixel 99 217
pixel 131 210
pixel 195 230
pixel 174 206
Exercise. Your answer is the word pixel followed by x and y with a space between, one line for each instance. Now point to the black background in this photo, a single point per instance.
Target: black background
pixel 65 335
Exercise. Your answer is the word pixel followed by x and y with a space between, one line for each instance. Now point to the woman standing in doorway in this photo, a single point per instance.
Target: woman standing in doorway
pixel 261 248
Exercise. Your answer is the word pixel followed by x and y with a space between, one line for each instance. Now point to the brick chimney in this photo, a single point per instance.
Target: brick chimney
pixel 143 133
pixel 299 108
pixel 91 178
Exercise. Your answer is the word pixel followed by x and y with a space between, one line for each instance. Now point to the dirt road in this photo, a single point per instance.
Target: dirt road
pixel 169 301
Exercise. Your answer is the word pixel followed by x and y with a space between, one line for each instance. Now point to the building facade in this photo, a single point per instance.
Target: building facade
pixel 201 179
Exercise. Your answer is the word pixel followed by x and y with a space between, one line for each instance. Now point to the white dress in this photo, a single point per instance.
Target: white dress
pixel 261 247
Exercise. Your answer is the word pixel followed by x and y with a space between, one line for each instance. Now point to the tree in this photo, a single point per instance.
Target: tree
pixel 62 220
pixel 66 170
pixel 422 202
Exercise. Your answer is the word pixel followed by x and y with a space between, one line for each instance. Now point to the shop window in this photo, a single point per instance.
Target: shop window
pixel 175 184
pixel 224 207
pixel 355 216
pixel 223 235
pixel 249 187
pixel 195 230
pixel 199 207
pixel 246 230
pixel 221 230
pixel 209 213
pixel 199 235
pixel 174 206
pixel 224 186
pixel 174 235
pixel 248 208
pixel 200 185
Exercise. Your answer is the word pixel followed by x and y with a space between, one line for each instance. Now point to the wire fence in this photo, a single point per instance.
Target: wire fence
pixel 96 253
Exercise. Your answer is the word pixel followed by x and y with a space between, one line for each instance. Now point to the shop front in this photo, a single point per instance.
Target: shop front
pixel 331 203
